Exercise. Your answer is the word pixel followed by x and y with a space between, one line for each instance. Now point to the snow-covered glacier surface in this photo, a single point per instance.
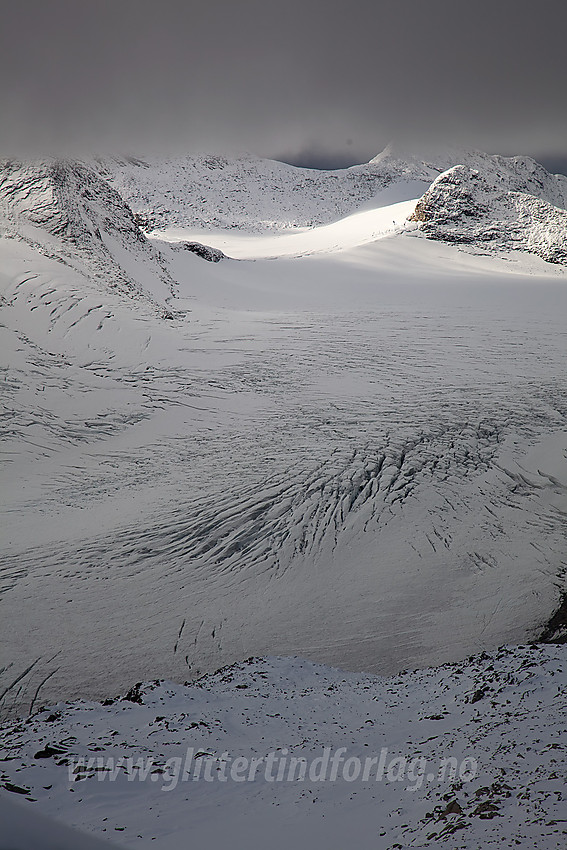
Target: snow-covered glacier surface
pixel 350 446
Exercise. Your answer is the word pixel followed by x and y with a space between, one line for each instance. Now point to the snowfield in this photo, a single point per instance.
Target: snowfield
pixel 357 229
pixel 344 439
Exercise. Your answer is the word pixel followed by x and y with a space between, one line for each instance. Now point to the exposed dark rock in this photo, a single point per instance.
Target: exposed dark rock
pixel 555 630
pixel 49 751
pixel 212 255
pixel 135 694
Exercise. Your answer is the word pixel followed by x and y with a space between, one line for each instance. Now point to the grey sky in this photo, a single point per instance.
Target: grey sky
pixel 284 78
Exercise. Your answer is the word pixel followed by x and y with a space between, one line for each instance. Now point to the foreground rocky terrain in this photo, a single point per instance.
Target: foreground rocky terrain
pixel 462 756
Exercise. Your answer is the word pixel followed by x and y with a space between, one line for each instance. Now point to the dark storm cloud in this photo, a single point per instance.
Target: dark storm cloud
pixel 339 78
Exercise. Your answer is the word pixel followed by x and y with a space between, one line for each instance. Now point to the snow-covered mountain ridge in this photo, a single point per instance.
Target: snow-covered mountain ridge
pixel 517 204
pixel 102 208
pixel 263 195
pixel 466 206
pixel 65 210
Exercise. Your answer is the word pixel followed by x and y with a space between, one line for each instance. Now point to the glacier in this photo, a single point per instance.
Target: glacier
pixel 344 440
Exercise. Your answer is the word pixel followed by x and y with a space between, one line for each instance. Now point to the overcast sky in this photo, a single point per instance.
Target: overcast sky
pixel 327 81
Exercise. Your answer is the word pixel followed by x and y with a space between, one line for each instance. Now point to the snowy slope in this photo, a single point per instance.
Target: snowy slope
pixel 352 231
pixel 462 756
pixel 23 829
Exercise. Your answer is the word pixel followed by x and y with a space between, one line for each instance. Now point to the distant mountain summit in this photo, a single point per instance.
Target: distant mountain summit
pixel 515 173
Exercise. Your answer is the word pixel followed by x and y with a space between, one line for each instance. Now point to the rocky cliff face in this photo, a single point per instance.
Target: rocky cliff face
pixel 466 206
pixel 67 211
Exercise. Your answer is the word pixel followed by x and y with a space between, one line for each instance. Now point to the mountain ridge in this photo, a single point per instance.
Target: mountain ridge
pixel 468 208
pixel 65 210
pixel 262 195
pixel 104 210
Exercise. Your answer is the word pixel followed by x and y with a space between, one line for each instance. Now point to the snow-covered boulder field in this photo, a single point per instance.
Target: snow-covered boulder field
pixel 275 751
